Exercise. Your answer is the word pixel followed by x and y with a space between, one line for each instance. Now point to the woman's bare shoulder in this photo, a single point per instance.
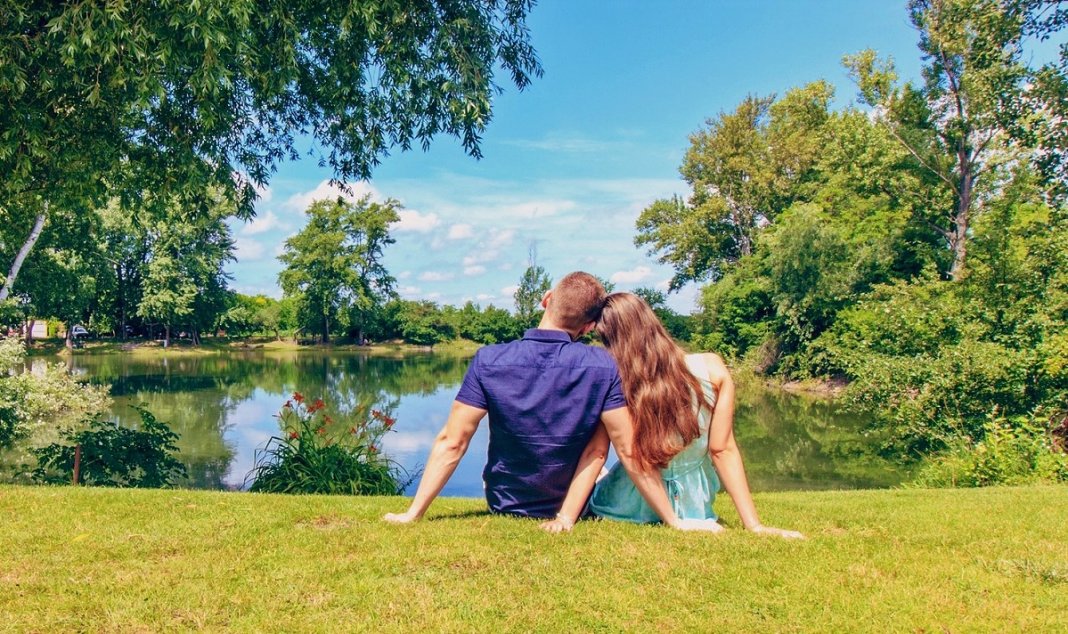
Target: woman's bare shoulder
pixel 714 365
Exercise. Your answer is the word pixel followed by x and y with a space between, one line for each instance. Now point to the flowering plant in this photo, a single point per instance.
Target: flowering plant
pixel 317 454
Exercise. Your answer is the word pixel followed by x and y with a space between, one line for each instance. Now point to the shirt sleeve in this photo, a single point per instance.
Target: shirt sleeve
pixel 615 398
pixel 471 392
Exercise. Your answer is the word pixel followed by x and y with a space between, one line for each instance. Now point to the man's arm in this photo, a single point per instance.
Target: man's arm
pixel 589 467
pixel 450 445
pixel 646 479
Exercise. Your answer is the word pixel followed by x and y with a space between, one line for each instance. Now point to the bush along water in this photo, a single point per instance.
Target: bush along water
pixel 317 454
pixel 1023 450
pixel 107 454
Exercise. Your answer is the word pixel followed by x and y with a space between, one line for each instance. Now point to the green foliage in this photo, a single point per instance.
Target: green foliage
pixel 34 405
pixel 315 454
pixel 738 313
pixel 333 267
pixel 744 169
pixel 532 286
pixel 423 323
pixel 1011 452
pixel 112 455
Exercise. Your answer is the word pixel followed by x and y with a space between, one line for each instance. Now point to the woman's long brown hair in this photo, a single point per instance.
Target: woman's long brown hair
pixel 659 388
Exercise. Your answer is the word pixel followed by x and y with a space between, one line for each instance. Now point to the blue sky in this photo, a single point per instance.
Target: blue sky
pixel 569 163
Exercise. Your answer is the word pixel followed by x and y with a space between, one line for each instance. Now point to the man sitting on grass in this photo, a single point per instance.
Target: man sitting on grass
pixel 552 404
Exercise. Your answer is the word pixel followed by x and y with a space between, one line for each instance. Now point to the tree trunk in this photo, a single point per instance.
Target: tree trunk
pixel 326 328
pixel 29 330
pixel 35 233
pixel 167 336
pixel 958 241
pixel 68 339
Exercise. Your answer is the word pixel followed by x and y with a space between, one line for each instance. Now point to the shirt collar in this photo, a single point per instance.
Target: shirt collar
pixel 540 334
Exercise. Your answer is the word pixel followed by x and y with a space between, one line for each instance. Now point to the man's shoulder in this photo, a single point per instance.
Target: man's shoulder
pixel 591 356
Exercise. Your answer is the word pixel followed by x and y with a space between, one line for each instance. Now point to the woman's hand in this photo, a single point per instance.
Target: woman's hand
pixel 778 532
pixel 400 518
pixel 560 524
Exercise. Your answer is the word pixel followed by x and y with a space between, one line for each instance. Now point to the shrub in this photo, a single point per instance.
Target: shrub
pixel 1012 451
pixel 45 400
pixel 112 455
pixel 314 454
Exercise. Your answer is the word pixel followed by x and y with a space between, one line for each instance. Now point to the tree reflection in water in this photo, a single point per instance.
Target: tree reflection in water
pixel 223 407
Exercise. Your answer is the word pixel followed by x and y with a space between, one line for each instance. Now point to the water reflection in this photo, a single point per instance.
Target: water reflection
pixel 223 408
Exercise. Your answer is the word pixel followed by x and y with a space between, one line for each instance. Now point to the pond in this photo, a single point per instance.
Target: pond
pixel 223 407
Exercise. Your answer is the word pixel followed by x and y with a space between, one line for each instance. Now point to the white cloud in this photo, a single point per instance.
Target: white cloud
pixel 415 221
pixel 435 276
pixel 247 249
pixel 326 190
pixel 632 276
pixel 409 291
pixel 461 231
pixel 476 269
pixel 483 297
pixel 482 257
pixel 500 238
pixel 536 208
pixel 433 296
pixel 262 224
pixel 403 275
pixel 509 291
pixel 663 285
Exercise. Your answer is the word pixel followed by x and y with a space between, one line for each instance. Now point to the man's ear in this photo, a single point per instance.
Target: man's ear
pixel 545 299
pixel 587 328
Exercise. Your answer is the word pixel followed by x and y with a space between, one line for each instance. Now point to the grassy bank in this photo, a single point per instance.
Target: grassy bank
pixel 920 560
pixel 53 347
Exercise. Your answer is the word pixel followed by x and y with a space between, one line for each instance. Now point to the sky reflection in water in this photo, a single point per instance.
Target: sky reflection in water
pixel 224 406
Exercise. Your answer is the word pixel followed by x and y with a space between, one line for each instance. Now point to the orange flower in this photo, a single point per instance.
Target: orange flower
pixel 293 434
pixel 376 414
pixel 353 430
pixel 298 397
pixel 317 405
pixel 374 449
pixel 390 421
pixel 328 420
pixel 320 431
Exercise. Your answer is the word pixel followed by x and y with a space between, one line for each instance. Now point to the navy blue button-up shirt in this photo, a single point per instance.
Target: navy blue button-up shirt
pixel 544 395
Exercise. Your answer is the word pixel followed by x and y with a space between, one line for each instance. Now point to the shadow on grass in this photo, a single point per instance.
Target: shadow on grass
pixel 461 515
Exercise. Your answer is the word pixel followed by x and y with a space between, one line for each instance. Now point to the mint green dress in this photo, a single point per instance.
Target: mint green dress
pixel 689 478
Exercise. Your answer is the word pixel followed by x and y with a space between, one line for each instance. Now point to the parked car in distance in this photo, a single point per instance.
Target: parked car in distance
pixel 78 331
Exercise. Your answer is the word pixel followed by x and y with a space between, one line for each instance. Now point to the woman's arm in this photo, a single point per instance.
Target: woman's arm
pixel 589 467
pixel 645 478
pixel 724 451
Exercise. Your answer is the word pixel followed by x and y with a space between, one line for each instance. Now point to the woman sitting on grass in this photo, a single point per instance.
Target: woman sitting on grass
pixel 683 412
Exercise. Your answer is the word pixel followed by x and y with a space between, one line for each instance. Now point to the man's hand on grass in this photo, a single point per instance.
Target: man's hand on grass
pixel 399 518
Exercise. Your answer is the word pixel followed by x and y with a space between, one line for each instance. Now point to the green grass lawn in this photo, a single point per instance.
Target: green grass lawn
pixel 902 560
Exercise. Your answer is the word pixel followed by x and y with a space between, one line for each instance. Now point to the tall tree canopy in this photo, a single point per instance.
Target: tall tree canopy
pixel 334 265
pixel 180 97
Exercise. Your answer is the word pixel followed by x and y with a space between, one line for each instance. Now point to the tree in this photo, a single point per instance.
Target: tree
pixel 334 265
pixel 744 168
pixel 953 125
pixel 532 287
pixel 175 98
pixel 184 282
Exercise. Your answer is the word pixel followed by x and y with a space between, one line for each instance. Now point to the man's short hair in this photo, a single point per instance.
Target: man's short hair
pixel 577 300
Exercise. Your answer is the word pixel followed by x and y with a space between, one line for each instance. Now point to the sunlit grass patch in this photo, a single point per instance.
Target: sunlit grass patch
pixel 893 560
